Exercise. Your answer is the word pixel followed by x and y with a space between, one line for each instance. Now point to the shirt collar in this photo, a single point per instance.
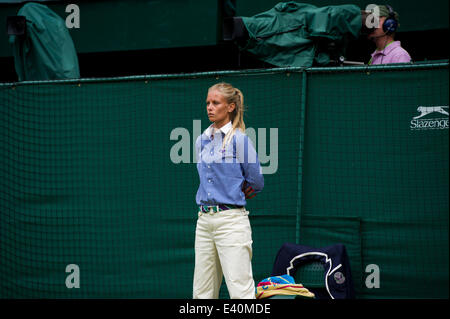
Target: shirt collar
pixel 224 129
pixel 387 49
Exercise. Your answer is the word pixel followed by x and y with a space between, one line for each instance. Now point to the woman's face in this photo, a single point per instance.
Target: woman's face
pixel 218 109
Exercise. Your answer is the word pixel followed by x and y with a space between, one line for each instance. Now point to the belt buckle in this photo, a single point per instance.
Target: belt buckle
pixel 213 209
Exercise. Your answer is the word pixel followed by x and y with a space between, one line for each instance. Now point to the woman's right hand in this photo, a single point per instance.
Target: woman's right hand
pixel 248 191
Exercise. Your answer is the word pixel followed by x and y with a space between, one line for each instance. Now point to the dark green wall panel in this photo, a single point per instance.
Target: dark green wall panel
pixel 414 15
pixel 133 24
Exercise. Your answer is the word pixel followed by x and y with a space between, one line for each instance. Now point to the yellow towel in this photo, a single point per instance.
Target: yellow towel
pixel 273 289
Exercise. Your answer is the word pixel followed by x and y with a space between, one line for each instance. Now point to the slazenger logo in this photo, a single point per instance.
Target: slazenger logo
pixel 429 120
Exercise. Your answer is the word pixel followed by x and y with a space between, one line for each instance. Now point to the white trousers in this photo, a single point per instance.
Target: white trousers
pixel 223 247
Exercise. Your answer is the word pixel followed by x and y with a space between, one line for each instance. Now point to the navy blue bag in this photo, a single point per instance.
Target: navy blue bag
pixel 337 274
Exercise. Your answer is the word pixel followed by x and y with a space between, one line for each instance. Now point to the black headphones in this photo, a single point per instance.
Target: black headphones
pixel 390 25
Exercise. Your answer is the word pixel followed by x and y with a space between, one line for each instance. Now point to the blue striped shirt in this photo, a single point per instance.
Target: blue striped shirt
pixel 222 172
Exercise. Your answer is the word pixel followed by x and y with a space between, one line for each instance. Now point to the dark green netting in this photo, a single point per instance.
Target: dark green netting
pixel 366 157
pixel 323 231
pixel 87 178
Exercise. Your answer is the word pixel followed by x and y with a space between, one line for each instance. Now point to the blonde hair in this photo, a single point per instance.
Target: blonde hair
pixel 232 95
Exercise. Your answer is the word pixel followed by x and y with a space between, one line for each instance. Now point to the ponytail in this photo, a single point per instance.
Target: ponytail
pixel 232 95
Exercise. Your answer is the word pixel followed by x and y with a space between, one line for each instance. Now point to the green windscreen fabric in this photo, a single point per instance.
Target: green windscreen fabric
pixel 92 174
pixel 322 231
pixel 97 178
pixel 376 147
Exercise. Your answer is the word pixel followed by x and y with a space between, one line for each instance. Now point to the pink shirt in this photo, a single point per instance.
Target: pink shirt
pixel 392 53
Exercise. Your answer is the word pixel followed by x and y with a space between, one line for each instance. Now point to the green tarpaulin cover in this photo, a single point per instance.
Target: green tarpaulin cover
pixel 47 51
pixel 289 33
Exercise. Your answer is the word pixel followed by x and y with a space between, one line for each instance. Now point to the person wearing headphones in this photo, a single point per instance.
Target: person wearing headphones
pixel 388 50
